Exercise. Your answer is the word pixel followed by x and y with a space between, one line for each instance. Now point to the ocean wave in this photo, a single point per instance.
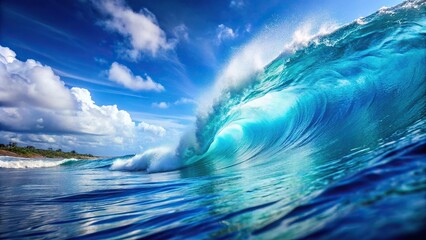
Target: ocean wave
pixel 329 91
pixel 13 162
pixel 328 142
pixel 153 160
pixel 337 92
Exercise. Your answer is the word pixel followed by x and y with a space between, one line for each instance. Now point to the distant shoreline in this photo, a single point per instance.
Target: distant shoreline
pixel 12 150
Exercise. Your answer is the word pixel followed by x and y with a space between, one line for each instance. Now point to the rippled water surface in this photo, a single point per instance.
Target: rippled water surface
pixel 343 198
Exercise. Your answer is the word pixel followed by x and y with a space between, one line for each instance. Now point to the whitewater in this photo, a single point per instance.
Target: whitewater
pixel 325 140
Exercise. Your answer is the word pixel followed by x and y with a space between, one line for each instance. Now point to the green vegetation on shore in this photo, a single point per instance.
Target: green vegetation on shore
pixel 12 149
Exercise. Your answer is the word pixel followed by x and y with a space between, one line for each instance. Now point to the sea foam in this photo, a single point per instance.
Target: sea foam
pixel 153 160
pixel 13 162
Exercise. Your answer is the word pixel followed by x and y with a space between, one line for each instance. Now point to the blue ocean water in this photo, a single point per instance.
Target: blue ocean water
pixel 328 142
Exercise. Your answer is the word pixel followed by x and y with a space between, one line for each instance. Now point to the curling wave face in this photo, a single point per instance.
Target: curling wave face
pixel 346 90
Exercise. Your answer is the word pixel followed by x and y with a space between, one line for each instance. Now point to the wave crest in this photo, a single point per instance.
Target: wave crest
pixel 152 160
pixel 17 163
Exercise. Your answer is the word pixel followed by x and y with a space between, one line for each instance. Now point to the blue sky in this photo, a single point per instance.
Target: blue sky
pixel 132 71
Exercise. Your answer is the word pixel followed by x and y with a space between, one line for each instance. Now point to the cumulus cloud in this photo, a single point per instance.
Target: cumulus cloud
pixel 122 75
pixel 225 33
pixel 37 108
pixel 140 29
pixel 7 55
pixel 162 105
pixel 22 84
pixel 160 131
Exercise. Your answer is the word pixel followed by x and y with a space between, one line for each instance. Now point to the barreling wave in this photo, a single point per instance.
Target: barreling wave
pixel 361 85
pixel 348 89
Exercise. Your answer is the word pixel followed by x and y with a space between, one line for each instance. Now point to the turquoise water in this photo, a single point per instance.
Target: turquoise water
pixel 326 142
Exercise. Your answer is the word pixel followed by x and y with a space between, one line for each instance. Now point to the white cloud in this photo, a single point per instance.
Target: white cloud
pixel 23 84
pixel 36 108
pixel 181 32
pixel 101 61
pixel 160 131
pixel 236 4
pixel 7 55
pixel 180 101
pixel 141 28
pixel 185 101
pixel 248 27
pixel 122 75
pixel 225 33
pixel 162 105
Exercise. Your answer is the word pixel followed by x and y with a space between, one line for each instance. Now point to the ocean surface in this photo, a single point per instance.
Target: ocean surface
pixel 326 142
